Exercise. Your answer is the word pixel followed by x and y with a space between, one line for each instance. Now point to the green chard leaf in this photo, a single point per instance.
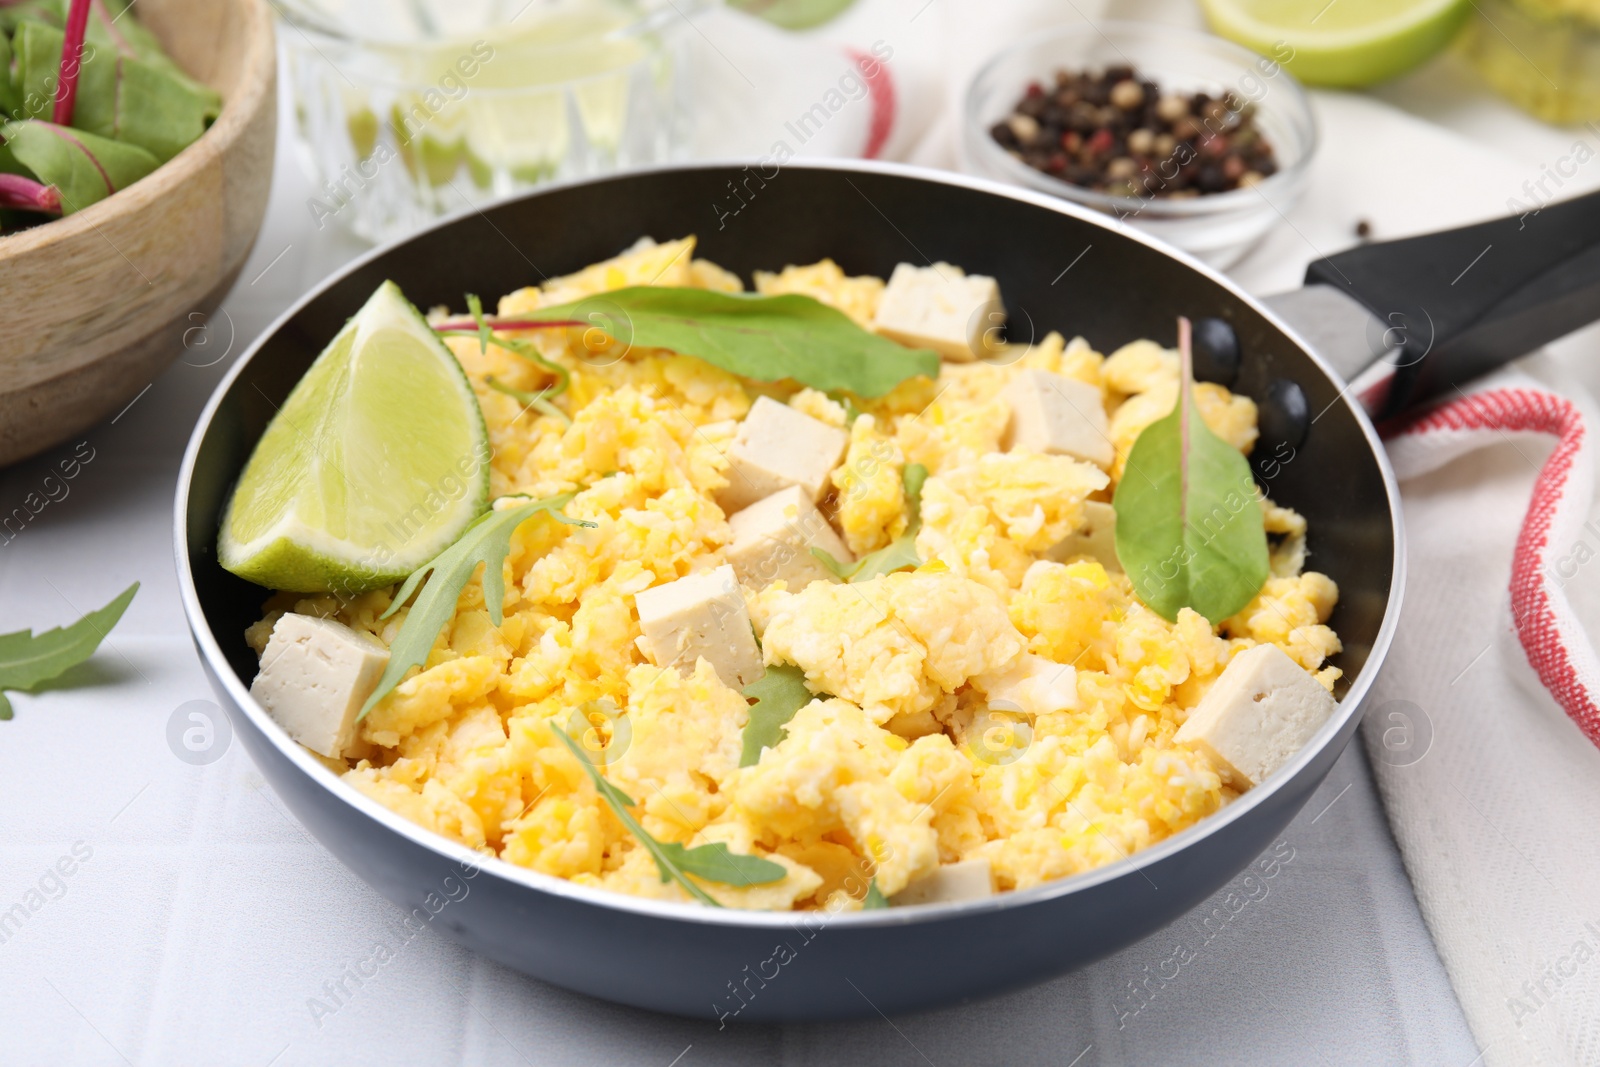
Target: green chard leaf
pixel 14 13
pixel 899 553
pixel 120 96
pixel 778 694
pixel 875 898
pixel 767 338
pixel 713 862
pixel 487 541
pixel 10 99
pixel 27 659
pixel 83 167
pixel 1189 524
pixel 114 24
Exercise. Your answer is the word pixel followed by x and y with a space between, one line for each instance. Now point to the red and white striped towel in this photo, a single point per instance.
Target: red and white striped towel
pixel 1484 727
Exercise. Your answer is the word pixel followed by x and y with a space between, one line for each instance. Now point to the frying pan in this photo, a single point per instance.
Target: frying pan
pixel 1390 319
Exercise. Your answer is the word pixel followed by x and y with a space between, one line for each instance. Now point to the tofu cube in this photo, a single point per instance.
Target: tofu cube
pixel 315 675
pixel 1097 538
pixel 773 538
pixel 1058 416
pixel 967 880
pixel 777 447
pixel 1032 685
pixel 940 307
pixel 703 615
pixel 1261 712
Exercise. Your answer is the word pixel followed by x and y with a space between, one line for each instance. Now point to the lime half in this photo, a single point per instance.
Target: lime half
pixel 376 462
pixel 1340 42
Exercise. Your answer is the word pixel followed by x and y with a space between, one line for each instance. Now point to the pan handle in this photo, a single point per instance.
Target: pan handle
pixel 1461 303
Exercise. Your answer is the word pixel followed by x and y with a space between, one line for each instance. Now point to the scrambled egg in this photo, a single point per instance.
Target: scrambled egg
pixel 903 767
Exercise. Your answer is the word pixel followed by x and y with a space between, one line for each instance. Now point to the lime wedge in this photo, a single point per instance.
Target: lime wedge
pixel 377 462
pixel 1340 42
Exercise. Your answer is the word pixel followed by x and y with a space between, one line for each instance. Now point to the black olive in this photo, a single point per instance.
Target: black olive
pixel 1216 351
pixel 1285 416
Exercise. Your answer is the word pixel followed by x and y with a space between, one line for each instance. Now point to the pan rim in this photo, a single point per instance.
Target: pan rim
pixel 1350 707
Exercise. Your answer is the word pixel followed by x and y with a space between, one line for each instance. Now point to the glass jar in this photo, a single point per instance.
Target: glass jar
pixel 1542 55
pixel 410 109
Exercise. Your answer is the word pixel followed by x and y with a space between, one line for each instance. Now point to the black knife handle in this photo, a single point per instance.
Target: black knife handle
pixel 1463 302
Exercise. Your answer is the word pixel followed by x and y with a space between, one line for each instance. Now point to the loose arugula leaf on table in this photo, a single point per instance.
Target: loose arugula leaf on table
pixel 131 100
pixel 778 694
pixel 875 898
pixel 674 862
pixel 1189 524
pixel 766 338
pixel 83 168
pixel 27 659
pixel 486 541
pixel 897 554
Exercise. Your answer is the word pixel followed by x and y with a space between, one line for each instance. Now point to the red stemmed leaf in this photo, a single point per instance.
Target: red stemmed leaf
pixel 25 194
pixel 71 62
pixel 1190 532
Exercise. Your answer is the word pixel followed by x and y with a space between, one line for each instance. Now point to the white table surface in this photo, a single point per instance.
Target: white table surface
pixel 205 917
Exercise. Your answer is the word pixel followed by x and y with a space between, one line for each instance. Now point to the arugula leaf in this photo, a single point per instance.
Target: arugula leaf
pixel 26 658
pixel 767 338
pixel 484 331
pixel 486 541
pixel 119 96
pixel 475 305
pixel 897 554
pixel 778 694
pixel 85 169
pixel 875 898
pixel 713 862
pixel 539 401
pixel 1189 524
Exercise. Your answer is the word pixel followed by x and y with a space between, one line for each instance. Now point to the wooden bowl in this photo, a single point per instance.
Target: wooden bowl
pixel 97 303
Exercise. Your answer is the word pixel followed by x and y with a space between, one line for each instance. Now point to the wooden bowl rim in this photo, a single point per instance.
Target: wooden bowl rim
pixel 239 110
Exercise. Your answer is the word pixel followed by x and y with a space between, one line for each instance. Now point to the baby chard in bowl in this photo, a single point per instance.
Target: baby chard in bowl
pixel 1189 522
pixel 77 168
pixel 151 105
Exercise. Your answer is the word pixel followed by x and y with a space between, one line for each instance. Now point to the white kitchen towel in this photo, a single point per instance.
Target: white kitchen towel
pixel 1483 727
pixel 885 80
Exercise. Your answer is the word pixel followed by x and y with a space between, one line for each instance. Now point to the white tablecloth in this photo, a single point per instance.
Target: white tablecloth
pixel 198 919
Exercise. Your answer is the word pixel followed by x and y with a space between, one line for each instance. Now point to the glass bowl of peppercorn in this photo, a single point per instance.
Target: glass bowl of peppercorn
pixel 1188 137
